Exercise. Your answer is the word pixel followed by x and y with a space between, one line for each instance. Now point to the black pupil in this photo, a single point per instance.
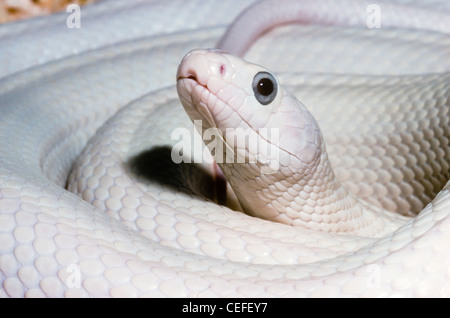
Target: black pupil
pixel 265 87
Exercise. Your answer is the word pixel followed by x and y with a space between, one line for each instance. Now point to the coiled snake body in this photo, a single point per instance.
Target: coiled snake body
pixel 145 226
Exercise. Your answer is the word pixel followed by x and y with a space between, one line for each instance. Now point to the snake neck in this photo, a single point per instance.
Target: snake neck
pixel 323 203
pixel 310 197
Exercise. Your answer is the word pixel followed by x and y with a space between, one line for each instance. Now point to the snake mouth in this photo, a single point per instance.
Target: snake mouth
pixel 195 97
pixel 200 103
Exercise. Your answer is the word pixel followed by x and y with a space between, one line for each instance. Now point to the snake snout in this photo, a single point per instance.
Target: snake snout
pixel 194 66
pixel 209 68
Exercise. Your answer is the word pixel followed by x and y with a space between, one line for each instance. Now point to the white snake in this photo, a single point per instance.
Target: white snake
pixel 160 235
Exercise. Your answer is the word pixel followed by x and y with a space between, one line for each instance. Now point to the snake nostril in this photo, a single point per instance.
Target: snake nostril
pixel 223 69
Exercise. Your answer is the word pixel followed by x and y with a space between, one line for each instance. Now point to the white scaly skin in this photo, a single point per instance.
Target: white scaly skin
pixel 216 88
pixel 156 241
pixel 354 13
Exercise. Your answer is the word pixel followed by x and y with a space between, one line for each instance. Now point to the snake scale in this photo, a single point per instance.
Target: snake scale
pixel 94 110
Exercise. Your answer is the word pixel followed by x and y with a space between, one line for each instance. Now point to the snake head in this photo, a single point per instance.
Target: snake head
pixel 259 129
pixel 241 100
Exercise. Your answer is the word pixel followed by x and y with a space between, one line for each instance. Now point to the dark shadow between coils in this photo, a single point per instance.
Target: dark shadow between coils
pixel 156 166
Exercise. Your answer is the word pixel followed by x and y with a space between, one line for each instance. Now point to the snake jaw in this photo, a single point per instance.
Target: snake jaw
pixel 206 79
pixel 192 94
pixel 194 97
pixel 194 86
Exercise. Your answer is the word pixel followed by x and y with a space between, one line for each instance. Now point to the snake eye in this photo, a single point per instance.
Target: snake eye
pixel 265 87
